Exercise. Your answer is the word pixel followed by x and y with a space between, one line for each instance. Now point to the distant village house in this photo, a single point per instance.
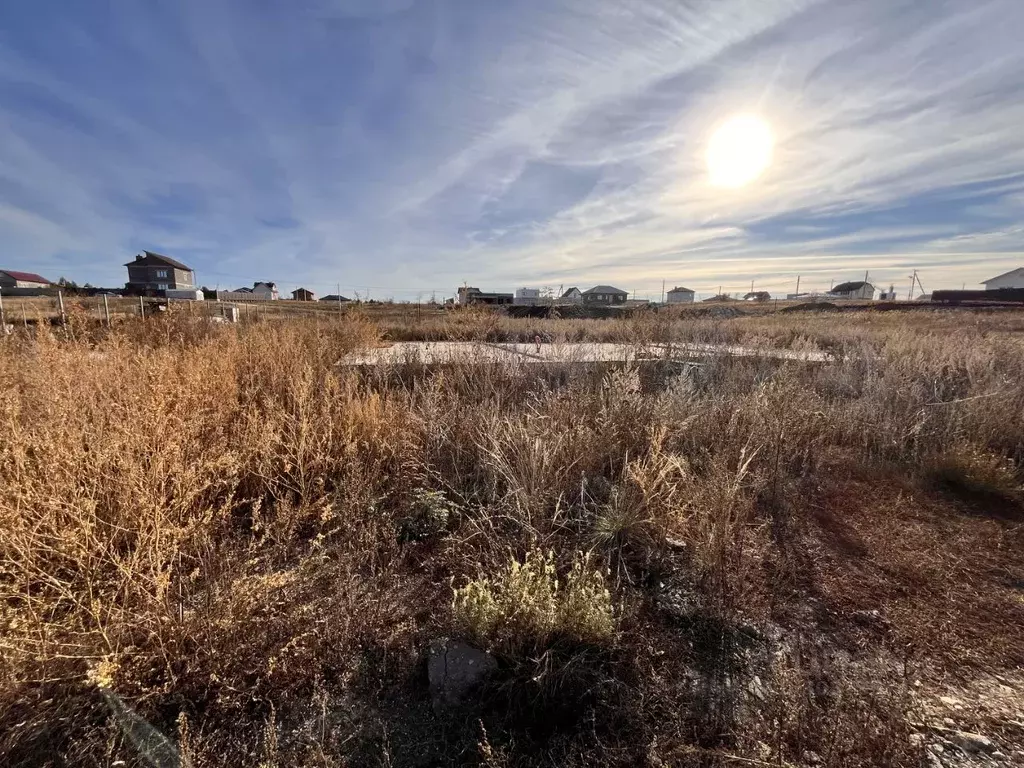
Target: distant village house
pixel 527 297
pixel 301 294
pixel 153 273
pixel 334 298
pixel 605 294
pixel 680 296
pixel 469 295
pixel 266 291
pixel 572 296
pixel 9 278
pixel 1012 279
pixel 858 289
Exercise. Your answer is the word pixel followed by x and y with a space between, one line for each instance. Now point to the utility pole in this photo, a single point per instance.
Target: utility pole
pixel 798 286
pixel 339 297
pixel 662 291
pixel 751 286
pixel 913 279
pixel 3 319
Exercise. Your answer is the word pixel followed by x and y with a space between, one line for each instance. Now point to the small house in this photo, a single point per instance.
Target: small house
pixel 527 297
pixel 469 295
pixel 1012 279
pixel 9 278
pixel 858 289
pixel 680 296
pixel 605 294
pixel 572 296
pixel 265 291
pixel 301 294
pixel 152 272
pixel 334 298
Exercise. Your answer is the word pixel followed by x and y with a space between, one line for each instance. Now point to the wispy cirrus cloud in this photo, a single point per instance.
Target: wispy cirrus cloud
pixel 411 144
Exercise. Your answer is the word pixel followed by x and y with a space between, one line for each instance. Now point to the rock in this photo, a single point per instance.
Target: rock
pixel 755 688
pixel 455 671
pixel 936 748
pixel 868 618
pixel 949 722
pixel 971 743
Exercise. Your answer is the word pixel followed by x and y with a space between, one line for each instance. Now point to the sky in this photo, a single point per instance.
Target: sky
pixel 399 148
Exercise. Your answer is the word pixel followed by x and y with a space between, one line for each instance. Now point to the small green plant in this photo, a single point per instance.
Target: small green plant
pixel 528 603
pixel 429 516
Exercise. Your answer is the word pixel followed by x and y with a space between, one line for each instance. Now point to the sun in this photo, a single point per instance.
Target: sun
pixel 739 151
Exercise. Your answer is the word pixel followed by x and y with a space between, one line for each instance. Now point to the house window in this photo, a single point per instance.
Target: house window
pixel 162 286
pixel 161 273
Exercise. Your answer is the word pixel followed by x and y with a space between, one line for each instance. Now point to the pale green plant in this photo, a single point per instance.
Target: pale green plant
pixel 528 603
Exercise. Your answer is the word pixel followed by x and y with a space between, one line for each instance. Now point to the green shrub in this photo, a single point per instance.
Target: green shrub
pixel 527 603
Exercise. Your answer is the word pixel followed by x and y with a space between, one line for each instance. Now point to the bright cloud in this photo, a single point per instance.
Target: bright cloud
pixel 408 145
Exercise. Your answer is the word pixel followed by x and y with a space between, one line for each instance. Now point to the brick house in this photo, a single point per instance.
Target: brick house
pixel 153 272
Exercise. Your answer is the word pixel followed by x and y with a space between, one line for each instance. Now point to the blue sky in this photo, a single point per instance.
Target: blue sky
pixel 401 147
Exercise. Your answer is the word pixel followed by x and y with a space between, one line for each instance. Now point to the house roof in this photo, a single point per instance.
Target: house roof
pixel 267 283
pixel 855 285
pixel 569 292
pixel 983 282
pixel 334 297
pixel 301 290
pixel 680 290
pixel 28 277
pixel 605 289
pixel 151 258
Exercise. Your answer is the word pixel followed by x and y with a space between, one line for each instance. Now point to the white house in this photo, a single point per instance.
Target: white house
pixel 1012 279
pixel 527 297
pixel 572 296
pixel 12 279
pixel 858 289
pixel 265 291
pixel 680 296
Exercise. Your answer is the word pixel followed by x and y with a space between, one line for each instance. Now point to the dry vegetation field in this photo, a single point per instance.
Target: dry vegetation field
pixel 218 547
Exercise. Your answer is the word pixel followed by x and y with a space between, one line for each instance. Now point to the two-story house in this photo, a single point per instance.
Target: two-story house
pixel 153 272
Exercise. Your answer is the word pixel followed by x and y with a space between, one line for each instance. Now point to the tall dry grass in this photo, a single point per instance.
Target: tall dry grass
pixel 251 545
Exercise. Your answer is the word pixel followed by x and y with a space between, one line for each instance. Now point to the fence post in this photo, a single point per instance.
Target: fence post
pixel 3 317
pixel 106 310
pixel 142 309
pixel 60 303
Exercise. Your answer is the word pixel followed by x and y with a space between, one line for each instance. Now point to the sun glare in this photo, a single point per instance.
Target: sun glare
pixel 740 150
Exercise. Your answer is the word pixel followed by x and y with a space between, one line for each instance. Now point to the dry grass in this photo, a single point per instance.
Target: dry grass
pixel 221 533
